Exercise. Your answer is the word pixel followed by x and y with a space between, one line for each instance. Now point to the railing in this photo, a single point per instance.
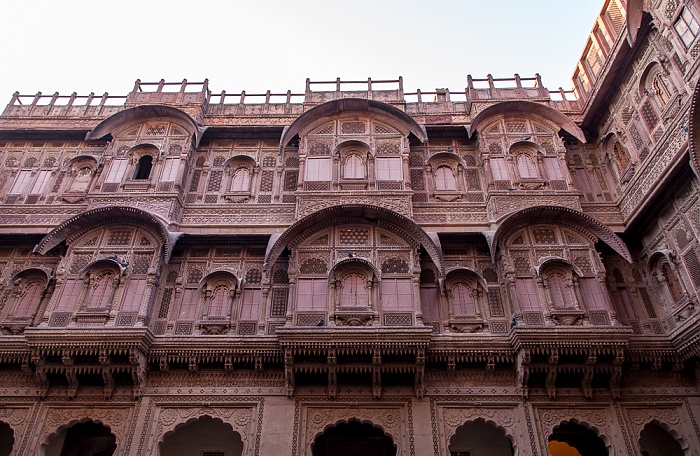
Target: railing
pixel 289 103
pixel 62 105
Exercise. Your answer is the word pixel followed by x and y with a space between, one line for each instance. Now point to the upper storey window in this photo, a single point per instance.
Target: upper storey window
pixel 143 168
pixel 527 167
pixel 318 169
pixel 389 168
pixel 354 167
pixel 445 179
pixel 241 180
pixel 687 27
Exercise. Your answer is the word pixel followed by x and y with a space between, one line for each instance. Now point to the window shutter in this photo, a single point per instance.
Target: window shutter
pixel 134 295
pixel 526 289
pixel 40 183
pixel 29 300
pixel 251 304
pixel 552 167
pixel 70 295
pixel 188 307
pixel 170 170
pixel 430 304
pixel 117 170
pixel 21 182
pixel 499 169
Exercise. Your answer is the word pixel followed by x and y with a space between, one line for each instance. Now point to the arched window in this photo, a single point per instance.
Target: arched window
pixel 526 167
pixel 462 300
pixel 143 167
pixel 621 156
pixel 660 86
pixel 219 303
pixel 674 287
pixel 353 291
pixel 241 180
pixel 353 168
pixel 28 298
pixel 560 292
pixel 81 178
pixel 445 179
pixel 102 285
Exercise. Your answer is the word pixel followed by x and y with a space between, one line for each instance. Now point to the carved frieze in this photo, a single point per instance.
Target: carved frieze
pixel 308 204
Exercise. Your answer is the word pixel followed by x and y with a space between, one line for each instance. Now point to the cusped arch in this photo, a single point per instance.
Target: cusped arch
pixel 447 156
pixel 526 145
pixel 119 214
pixel 527 107
pixel 655 259
pixel 141 113
pixel 345 213
pixel 104 262
pixel 193 420
pixel 38 270
pixel 558 215
pixel 506 433
pixel 343 262
pixel 350 144
pixel 220 272
pixel 671 431
pixel 469 271
pixel 64 427
pixel 394 439
pixel 600 434
pixel 242 159
pixel 405 122
pixel 80 159
pixel 553 260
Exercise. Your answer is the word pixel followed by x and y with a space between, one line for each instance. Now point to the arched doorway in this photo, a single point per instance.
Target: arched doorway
pixel 655 441
pixel 479 438
pixel 573 439
pixel 7 439
pixel 205 435
pixel 354 439
pixel 83 439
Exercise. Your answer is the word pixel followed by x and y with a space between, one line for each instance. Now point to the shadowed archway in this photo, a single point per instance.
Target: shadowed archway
pixel 83 439
pixel 201 436
pixel 354 439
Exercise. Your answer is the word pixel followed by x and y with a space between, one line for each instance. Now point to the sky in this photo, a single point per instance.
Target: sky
pixel 97 46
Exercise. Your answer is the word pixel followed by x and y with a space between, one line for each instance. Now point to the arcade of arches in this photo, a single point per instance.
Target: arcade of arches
pixel 357 269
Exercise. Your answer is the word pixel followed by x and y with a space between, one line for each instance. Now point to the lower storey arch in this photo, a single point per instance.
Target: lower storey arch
pixel 481 438
pixel 7 439
pixel 658 439
pixel 87 438
pixel 353 438
pixel 572 438
pixel 203 435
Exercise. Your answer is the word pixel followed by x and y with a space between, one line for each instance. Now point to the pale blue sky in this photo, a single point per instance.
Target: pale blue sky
pixel 99 46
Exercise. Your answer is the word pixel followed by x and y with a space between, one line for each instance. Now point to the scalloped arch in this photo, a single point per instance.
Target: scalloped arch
pixel 492 423
pixel 559 215
pixel 528 107
pixel 335 107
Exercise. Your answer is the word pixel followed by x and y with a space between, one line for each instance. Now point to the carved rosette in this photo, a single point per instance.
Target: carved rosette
pixel 57 419
pixel 167 419
pixel 511 420
pixel 392 420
